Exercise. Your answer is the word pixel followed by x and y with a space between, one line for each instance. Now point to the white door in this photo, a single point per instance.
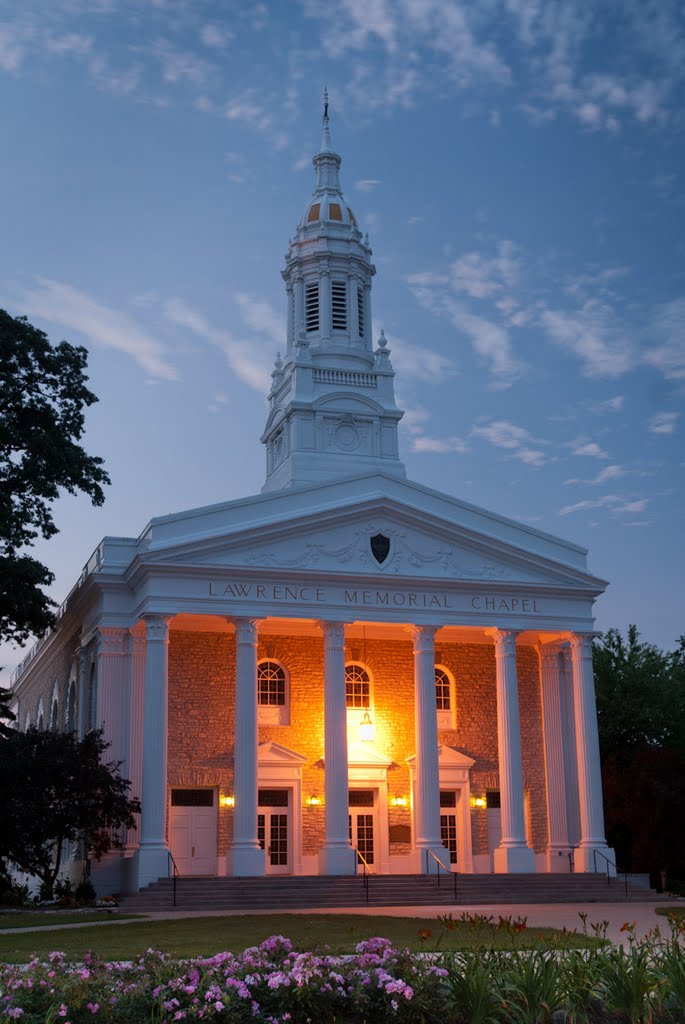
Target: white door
pixel 449 800
pixel 192 831
pixel 364 827
pixel 273 830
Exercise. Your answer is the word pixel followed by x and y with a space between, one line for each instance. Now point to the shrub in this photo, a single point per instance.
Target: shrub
pixel 85 893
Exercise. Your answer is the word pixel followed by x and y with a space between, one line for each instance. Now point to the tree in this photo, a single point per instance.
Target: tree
pixel 6 713
pixel 641 717
pixel 43 395
pixel 55 788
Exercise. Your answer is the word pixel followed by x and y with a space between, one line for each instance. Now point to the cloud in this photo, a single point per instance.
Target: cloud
pixel 581 446
pixel 73 44
pixel 668 326
pixel 12 47
pixel 663 423
pixel 491 342
pixel 608 473
pixel 515 439
pixel 440 445
pixel 480 277
pixel 594 335
pixel 249 363
pixel 616 504
pixel 366 184
pixel 261 317
pixel 417 362
pixel 100 325
pixel 215 36
pixel 614 404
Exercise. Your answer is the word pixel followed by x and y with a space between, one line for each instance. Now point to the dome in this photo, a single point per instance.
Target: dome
pixel 330 208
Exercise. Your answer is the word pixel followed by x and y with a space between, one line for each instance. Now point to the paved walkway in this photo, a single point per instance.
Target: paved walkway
pixel 551 915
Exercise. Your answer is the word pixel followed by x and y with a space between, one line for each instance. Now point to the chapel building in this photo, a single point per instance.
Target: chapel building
pixel 349 671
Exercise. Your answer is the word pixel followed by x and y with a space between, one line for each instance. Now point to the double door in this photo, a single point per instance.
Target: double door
pixel 192 831
pixel 274 829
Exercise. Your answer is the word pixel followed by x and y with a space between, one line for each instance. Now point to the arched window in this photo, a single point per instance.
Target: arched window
pixel 27 722
pixel 92 699
pixel 54 715
pixel 273 697
pixel 357 687
pixel 444 697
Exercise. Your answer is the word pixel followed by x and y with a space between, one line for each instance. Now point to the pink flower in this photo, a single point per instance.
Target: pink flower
pixel 93 1007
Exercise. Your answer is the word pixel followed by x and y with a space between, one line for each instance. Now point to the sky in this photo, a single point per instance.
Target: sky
pixel 518 165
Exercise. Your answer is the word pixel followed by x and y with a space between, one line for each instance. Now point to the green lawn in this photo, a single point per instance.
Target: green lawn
pixel 195 936
pixel 34 918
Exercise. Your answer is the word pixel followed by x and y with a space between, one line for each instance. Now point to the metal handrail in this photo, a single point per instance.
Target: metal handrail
pixel 173 871
pixel 448 871
pixel 571 860
pixel 610 864
pixel 366 873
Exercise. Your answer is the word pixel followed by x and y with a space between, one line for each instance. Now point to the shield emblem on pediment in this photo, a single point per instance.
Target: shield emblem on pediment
pixel 380 547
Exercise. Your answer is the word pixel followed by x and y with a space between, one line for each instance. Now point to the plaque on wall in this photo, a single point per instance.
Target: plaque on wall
pixel 400 833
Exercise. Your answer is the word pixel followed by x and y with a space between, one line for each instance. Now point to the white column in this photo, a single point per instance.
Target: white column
pixel 512 855
pixel 589 768
pixel 427 786
pixel 153 861
pixel 111 696
pixel 337 856
pixel 135 657
pixel 552 681
pixel 245 858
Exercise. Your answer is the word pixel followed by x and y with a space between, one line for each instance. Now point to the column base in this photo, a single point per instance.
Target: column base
pixel 424 864
pixel 585 860
pixel 246 862
pixel 337 860
pixel 558 860
pixel 509 860
pixel 151 863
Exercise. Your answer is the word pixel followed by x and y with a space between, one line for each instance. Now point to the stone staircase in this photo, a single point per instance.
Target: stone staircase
pixel 315 892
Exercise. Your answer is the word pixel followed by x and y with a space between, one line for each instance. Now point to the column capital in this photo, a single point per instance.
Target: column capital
pixel 111 640
pixel 333 633
pixel 245 630
pixel 423 636
pixel 157 627
pixel 581 644
pixel 505 641
pixel 548 652
pixel 135 639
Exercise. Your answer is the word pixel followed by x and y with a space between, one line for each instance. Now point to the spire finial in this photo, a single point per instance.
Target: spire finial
pixel 326 137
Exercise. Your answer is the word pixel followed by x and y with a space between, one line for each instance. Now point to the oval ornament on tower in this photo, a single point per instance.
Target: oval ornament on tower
pixel 380 547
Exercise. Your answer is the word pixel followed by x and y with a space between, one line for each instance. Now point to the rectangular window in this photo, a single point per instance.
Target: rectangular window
pixel 360 311
pixel 311 306
pixel 448 798
pixel 273 798
pixel 339 305
pixel 192 797
pixel 492 798
pixel 334 211
pixel 361 798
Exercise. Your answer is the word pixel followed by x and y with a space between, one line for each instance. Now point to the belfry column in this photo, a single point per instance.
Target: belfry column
pixel 552 682
pixel 512 854
pixel 153 854
pixel 589 770
pixel 427 790
pixel 245 858
pixel 337 856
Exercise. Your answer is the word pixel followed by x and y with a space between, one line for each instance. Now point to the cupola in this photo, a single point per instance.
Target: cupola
pixel 332 404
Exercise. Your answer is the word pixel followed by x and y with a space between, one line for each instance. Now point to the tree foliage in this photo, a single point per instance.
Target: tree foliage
pixel 6 713
pixel 43 395
pixel 54 788
pixel 641 715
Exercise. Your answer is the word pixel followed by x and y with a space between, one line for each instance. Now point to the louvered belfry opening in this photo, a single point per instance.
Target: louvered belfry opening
pixel 339 305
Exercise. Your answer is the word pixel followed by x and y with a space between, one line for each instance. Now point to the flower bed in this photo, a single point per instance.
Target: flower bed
pixel 273 983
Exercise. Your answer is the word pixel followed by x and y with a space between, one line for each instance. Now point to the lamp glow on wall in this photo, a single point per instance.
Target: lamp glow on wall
pixel 227 800
pixel 314 800
pixel 478 801
pixel 367 729
pixel 400 801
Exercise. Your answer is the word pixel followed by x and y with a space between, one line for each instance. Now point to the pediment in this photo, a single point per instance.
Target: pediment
pixel 448 757
pixel 273 754
pixel 398 542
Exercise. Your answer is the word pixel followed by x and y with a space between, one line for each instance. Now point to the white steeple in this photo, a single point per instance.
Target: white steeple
pixel 332 402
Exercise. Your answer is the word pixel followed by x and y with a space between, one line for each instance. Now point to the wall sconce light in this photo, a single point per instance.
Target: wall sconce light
pixel 366 727
pixel 314 800
pixel 478 801
pixel 400 801
pixel 227 801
